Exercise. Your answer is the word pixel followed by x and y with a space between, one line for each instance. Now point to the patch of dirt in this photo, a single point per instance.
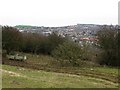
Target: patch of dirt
pixel 10 73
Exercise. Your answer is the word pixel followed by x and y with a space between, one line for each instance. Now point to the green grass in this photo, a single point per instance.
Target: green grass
pixel 42 71
pixel 87 68
pixel 30 78
pixel 108 70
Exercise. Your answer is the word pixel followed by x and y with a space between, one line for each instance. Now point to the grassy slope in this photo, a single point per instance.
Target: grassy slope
pixel 79 76
pixel 41 79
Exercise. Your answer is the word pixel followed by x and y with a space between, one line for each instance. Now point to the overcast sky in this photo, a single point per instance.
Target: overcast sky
pixel 58 12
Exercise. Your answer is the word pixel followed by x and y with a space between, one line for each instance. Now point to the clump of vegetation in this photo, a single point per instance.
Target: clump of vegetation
pixel 109 45
pixel 51 42
pixel 11 39
pixel 68 51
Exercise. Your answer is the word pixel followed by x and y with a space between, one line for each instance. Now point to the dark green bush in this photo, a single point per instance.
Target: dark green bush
pixel 108 40
pixel 68 51
pixel 11 39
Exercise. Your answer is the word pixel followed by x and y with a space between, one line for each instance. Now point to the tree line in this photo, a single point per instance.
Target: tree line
pixel 62 48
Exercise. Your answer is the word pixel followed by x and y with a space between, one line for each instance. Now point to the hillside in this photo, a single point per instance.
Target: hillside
pixel 24 26
pixel 40 71
pixel 16 77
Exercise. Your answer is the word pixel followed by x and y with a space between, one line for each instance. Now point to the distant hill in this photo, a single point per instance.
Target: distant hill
pixel 24 26
pixel 77 28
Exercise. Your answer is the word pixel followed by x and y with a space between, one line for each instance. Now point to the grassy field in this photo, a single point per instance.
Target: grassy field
pixel 45 72
pixel 17 77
